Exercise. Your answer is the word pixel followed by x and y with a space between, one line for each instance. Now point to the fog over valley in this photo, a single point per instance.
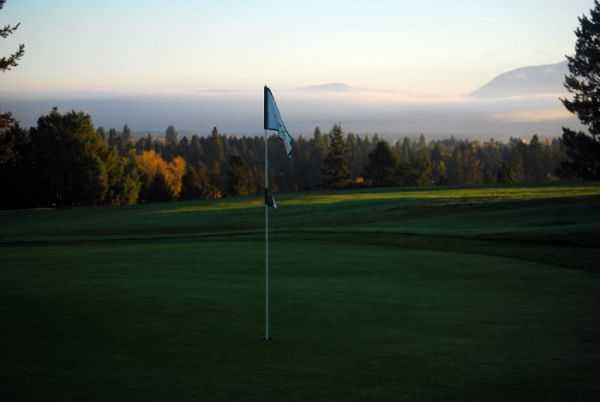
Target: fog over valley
pixel 518 103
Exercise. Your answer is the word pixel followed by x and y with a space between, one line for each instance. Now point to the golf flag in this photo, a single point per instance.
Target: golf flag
pixel 274 122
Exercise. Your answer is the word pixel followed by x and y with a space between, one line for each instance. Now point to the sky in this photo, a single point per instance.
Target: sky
pixel 425 48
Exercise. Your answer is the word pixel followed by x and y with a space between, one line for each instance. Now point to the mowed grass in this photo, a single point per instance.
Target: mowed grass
pixel 457 297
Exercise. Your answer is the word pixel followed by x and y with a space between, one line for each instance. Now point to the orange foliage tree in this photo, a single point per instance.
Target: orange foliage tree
pixel 161 180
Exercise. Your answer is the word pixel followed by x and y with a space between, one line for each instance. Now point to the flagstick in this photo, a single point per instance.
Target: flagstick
pixel 267 285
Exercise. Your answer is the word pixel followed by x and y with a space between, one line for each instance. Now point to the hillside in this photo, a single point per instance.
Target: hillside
pixel 526 81
pixel 467 215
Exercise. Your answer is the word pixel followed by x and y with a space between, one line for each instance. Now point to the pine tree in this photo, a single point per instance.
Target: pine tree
pixel 439 173
pixel 239 182
pixel 382 165
pixel 11 61
pixel 583 82
pixel 334 170
pixel 171 136
pixel 195 183
pixel 534 161
pixel 423 167
pixel 405 151
pixel 113 138
pixel 125 140
pixel 318 146
pixel 8 63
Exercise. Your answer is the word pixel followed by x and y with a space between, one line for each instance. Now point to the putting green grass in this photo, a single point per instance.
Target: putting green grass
pixel 453 298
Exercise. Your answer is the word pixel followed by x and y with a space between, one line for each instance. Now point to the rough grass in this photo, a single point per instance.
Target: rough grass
pixel 473 295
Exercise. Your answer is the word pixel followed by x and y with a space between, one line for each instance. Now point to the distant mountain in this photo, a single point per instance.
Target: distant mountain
pixel 527 81
pixel 329 87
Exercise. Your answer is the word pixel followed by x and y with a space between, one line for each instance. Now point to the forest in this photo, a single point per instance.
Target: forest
pixel 65 161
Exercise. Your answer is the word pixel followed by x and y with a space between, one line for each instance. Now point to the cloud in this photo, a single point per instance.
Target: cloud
pixel 328 87
pixel 534 116
pixel 218 91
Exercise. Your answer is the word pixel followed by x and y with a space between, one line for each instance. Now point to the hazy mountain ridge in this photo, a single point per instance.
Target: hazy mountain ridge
pixel 526 81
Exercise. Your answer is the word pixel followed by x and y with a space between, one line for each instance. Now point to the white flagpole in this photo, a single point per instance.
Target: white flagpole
pixel 267 285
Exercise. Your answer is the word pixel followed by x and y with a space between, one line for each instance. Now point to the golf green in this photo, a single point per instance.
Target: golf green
pixel 372 300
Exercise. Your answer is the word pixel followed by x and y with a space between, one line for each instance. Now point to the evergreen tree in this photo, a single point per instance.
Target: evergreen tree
pixel 171 141
pixel 534 161
pixel 382 165
pixel 422 142
pixel 9 138
pixel 423 167
pixel 216 147
pixel 515 165
pixel 318 146
pixel 239 182
pixel 583 82
pixel 67 156
pixel 183 147
pixel 439 171
pixel 490 161
pixel 196 151
pixel 195 183
pixel 8 63
pixel 334 170
pixel 143 144
pixel 217 179
pixel 465 166
pixel 171 136
pixel 125 140
pixel 113 138
pixel 406 175
pixel 405 151
pixel 16 169
pixel 11 61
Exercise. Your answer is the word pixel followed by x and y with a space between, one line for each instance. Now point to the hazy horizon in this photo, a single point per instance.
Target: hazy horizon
pixel 241 114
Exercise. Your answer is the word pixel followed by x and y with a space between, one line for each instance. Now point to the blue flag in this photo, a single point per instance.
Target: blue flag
pixel 274 122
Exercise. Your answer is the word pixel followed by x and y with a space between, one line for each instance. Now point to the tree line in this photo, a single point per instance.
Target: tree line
pixel 65 161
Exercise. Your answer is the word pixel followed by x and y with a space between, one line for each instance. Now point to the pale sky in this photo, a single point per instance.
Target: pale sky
pixel 424 47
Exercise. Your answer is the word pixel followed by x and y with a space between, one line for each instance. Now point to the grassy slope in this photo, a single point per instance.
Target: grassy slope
pixel 516 222
pixel 377 296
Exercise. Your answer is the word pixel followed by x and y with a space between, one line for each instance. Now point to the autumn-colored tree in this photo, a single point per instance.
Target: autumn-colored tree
pixel 174 176
pixel 123 178
pixel 161 180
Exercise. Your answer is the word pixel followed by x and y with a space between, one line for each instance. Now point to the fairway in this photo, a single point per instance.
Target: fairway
pixel 478 294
